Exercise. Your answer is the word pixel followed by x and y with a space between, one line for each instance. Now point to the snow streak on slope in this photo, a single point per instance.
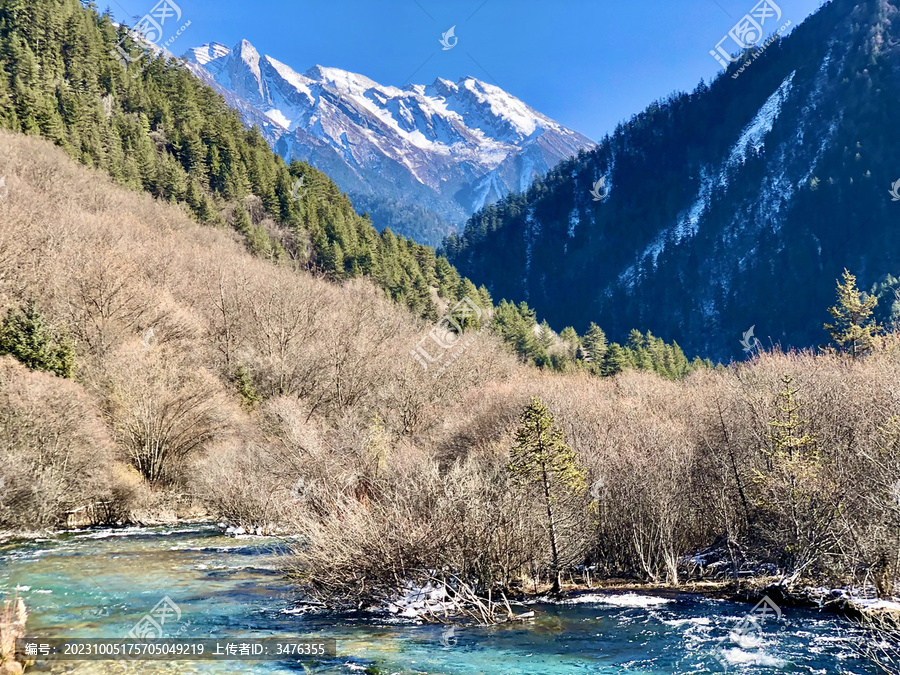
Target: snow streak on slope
pixel 752 138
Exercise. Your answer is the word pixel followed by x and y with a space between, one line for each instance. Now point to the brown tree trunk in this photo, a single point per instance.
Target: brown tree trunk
pixel 554 550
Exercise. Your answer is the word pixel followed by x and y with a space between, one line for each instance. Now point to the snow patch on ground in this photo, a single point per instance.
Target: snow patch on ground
pixel 278 117
pixel 574 220
pixel 753 136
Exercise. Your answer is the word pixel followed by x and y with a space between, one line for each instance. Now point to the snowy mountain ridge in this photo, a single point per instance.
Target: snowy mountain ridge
pixel 449 147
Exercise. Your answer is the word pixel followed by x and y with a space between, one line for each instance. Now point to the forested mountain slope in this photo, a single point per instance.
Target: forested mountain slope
pixel 154 126
pixel 736 205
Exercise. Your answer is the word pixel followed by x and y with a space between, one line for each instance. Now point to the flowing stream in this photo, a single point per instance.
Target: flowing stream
pixel 99 583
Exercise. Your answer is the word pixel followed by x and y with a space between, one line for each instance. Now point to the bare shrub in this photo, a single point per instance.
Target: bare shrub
pixel 162 411
pixel 55 453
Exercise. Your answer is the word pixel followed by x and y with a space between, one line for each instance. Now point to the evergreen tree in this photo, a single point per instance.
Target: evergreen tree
pixel 595 343
pixel 546 338
pixel 244 385
pixel 242 222
pixel 854 329
pixel 27 336
pixel 637 351
pixel 571 342
pixel 614 361
pixel 794 498
pixel 541 457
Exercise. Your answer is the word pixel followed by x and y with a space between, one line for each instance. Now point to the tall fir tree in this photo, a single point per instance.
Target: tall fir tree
pixel 854 329
pixel 542 458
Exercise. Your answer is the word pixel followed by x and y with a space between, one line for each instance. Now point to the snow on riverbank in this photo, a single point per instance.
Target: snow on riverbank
pixel 417 601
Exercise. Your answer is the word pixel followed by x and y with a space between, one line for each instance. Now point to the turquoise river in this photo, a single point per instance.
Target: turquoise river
pixel 99 583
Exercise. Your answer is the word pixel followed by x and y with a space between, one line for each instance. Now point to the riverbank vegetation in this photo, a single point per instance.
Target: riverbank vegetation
pixel 205 379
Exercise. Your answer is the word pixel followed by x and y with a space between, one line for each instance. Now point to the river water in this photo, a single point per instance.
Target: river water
pixel 99 583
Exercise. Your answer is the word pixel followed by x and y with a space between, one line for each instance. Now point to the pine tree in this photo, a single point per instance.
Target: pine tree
pixel 786 434
pixel 614 361
pixel 541 457
pixel 571 342
pixel 547 338
pixel 595 343
pixel 638 352
pixel 854 328
pixel 244 384
pixel 794 499
pixel 242 222
pixel 27 336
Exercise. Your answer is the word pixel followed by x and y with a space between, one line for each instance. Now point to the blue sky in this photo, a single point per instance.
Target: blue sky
pixel 589 64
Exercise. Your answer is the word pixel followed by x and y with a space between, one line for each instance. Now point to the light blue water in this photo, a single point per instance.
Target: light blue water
pixel 100 583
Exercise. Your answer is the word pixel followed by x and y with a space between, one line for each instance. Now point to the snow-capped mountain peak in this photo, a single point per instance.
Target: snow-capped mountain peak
pixel 206 53
pixel 450 147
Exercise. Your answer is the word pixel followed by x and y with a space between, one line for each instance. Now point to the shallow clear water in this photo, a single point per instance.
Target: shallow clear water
pixel 100 583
